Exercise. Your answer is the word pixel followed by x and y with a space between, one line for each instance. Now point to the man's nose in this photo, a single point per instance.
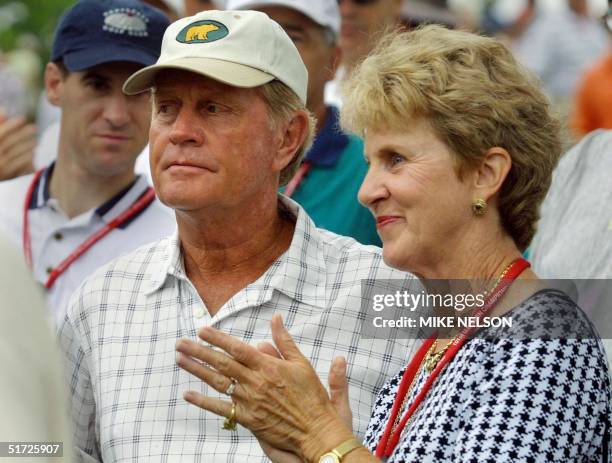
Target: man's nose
pixel 116 110
pixel 185 129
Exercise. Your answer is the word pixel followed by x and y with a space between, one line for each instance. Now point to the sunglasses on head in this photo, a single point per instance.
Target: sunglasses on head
pixel 358 2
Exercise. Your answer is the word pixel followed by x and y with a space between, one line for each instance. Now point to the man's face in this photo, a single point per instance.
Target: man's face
pixel 314 46
pixel 102 130
pixel 212 145
pixel 361 22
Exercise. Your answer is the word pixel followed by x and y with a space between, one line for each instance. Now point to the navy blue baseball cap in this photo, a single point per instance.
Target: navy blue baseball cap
pixel 95 32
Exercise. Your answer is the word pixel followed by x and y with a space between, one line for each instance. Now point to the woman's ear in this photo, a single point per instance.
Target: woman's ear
pixel 490 175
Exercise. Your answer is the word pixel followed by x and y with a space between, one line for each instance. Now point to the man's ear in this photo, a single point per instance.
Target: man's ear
pixel 54 80
pixel 293 137
pixel 490 175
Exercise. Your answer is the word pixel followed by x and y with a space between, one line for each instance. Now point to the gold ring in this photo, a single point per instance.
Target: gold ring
pixel 230 421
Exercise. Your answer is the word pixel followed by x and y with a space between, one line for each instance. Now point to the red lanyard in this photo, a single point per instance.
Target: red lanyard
pixel 390 439
pixel 297 179
pixel 142 203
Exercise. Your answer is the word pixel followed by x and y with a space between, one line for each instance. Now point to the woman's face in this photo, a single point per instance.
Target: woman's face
pixel 412 188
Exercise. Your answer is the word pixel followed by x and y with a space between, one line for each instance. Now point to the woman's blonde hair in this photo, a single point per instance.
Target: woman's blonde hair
pixel 476 96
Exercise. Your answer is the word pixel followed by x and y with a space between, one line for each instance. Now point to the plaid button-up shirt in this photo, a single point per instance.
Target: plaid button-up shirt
pixel 122 325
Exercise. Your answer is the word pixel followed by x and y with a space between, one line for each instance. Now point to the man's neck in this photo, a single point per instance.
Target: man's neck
pixel 225 252
pixel 77 191
pixel 321 112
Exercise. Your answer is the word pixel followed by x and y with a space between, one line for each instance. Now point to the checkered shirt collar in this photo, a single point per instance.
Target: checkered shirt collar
pixel 298 273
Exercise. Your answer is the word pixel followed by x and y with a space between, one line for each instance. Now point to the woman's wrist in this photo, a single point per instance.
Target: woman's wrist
pixel 324 437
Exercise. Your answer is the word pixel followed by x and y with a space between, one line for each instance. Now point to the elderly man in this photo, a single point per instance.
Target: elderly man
pixel 89 206
pixel 327 183
pixel 229 124
pixel 362 22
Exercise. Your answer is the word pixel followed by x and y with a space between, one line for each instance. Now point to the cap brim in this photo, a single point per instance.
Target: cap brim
pixel 80 60
pixel 236 75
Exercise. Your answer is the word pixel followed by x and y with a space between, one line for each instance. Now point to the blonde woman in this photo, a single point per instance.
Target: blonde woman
pixel 461 147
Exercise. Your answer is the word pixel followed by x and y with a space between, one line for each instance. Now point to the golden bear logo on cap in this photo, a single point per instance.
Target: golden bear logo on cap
pixel 202 32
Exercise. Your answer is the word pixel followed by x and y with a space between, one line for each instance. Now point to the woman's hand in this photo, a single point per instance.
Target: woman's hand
pixel 338 394
pixel 278 396
pixel 277 455
pixel 337 382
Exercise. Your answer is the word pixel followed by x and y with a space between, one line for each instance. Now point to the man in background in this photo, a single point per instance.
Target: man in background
pixel 362 21
pixel 327 183
pixel 195 6
pixel 89 206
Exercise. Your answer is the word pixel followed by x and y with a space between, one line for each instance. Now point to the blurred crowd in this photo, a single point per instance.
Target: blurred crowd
pixel 566 43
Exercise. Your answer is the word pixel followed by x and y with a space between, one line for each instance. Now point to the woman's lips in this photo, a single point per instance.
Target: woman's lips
pixel 383 220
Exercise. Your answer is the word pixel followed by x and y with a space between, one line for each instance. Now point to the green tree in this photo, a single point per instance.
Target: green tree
pixel 31 20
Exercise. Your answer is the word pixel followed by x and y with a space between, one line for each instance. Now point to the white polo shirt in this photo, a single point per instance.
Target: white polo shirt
pixel 54 236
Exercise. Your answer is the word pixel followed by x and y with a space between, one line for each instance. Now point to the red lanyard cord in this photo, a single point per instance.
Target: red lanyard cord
pixel 27 246
pixel 142 203
pixel 390 438
pixel 297 179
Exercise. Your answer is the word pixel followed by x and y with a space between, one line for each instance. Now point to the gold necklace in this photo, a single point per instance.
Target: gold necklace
pixel 432 358
pixel 400 412
pixel 499 279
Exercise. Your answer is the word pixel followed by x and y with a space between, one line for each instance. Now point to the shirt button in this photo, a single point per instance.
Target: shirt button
pixel 199 313
pixel 49 270
pixel 58 236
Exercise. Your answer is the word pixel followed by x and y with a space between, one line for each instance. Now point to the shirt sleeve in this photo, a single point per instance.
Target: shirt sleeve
pixel 82 399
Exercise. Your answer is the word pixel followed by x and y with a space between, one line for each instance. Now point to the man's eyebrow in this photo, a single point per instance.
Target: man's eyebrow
pixel 157 91
pixel 91 74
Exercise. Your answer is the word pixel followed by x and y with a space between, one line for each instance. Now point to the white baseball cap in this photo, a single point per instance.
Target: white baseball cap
pixel 323 12
pixel 239 48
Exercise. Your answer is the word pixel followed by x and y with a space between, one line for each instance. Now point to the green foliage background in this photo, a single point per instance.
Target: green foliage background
pixel 39 21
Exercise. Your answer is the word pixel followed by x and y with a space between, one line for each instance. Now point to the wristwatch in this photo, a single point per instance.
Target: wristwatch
pixel 337 454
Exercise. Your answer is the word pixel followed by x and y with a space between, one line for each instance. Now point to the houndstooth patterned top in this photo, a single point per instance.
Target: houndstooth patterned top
pixel 511 398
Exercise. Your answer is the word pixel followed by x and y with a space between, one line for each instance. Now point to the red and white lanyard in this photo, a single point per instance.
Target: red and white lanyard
pixel 136 207
pixel 297 179
pixel 391 438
